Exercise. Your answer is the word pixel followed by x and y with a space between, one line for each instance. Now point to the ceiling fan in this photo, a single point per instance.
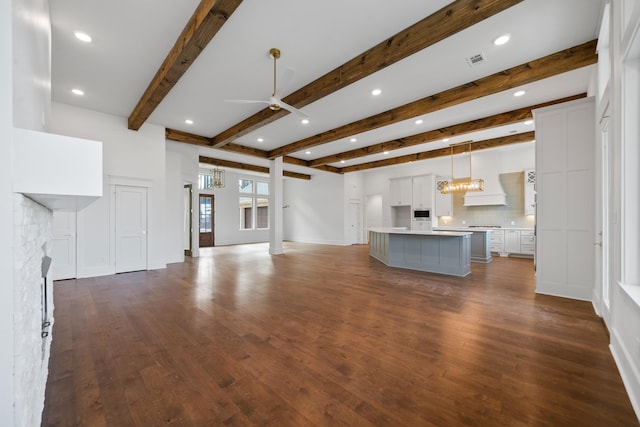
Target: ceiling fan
pixel 274 102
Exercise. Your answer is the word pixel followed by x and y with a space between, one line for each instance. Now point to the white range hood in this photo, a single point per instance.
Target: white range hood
pixel 486 167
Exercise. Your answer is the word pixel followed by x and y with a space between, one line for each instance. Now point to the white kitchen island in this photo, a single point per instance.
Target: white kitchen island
pixel 444 252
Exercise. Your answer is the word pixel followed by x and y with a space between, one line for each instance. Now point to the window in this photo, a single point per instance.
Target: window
pixel 253 204
pixel 205 182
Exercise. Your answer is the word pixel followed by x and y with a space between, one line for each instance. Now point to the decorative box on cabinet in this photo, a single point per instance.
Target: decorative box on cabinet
pixel 444 202
pixel 400 192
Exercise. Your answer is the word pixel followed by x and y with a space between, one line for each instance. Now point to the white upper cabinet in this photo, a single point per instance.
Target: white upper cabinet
pixel 423 192
pixel 444 202
pixel 530 192
pixel 400 192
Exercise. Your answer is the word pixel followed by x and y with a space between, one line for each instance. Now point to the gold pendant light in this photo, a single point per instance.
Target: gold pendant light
pixel 463 184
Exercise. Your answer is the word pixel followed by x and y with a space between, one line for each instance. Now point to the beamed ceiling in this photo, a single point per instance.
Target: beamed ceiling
pixel 165 62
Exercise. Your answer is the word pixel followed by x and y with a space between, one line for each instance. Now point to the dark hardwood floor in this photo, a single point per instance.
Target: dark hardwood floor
pixel 325 335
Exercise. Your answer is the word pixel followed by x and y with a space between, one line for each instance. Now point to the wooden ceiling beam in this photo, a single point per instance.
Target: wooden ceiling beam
pixel 247 167
pixel 203 141
pixel 205 22
pixel 548 66
pixel 442 152
pixel 186 137
pixel 449 20
pixel 489 122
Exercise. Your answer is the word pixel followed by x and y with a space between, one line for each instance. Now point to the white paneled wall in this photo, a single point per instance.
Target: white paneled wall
pixel 565 149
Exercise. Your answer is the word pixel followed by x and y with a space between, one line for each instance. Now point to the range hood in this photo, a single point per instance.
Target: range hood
pixel 487 168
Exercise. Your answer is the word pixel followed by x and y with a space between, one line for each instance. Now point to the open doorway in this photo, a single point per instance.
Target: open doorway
pixel 207 210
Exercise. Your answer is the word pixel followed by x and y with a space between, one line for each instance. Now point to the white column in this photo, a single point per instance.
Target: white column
pixel 276 202
pixel 6 216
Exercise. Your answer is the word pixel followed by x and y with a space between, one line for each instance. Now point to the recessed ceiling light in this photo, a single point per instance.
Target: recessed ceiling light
pixel 386 152
pixel 77 92
pixel 341 161
pixel 376 92
pixel 419 121
pixel 188 121
pixel 353 140
pixel 528 122
pixel 502 39
pixel 307 152
pixel 519 93
pixel 304 121
pixel 82 36
pixel 260 139
pixel 445 140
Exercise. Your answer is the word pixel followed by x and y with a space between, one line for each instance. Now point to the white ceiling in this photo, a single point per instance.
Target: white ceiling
pixel 132 37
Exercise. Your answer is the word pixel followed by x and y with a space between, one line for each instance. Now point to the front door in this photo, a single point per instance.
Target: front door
pixel 206 221
pixel 131 228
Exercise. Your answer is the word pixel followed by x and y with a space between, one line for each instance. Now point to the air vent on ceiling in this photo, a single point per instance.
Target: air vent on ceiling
pixel 476 59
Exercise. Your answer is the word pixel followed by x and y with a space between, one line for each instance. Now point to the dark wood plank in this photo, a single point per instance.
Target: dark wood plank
pixel 449 20
pixel 550 65
pixel 325 335
pixel 205 22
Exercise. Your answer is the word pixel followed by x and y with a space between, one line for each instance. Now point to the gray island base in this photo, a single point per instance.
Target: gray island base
pixel 444 252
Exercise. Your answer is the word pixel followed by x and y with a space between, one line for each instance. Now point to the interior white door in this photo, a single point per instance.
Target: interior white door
pixel 354 223
pixel 63 251
pixel 130 228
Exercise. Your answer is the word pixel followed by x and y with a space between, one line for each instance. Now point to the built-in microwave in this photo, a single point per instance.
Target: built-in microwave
pixel 422 214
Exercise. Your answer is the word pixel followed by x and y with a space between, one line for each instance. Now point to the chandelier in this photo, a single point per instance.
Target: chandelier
pixel 464 184
pixel 218 177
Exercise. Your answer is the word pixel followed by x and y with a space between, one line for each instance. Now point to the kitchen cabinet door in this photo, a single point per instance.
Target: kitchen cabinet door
pixel 400 192
pixel 512 241
pixel 422 192
pixel 444 202
pixel 497 241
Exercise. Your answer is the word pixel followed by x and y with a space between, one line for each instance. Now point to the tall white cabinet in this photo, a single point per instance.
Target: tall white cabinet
pixel 565 147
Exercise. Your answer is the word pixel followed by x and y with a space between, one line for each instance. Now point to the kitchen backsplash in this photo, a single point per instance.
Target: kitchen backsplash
pixel 510 215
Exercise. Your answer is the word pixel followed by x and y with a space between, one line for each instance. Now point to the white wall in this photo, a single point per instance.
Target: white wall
pixel 6 214
pixel 624 281
pixel 25 95
pixel 135 156
pixel 32 64
pixel 181 169
pixel 316 212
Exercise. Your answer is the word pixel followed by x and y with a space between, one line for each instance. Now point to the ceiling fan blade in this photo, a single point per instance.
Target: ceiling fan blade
pixel 246 101
pixel 294 110
pixel 285 80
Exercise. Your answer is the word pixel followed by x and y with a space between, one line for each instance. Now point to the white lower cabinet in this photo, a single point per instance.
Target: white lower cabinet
pixel 527 242
pixel 497 241
pixel 517 242
pixel 512 241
